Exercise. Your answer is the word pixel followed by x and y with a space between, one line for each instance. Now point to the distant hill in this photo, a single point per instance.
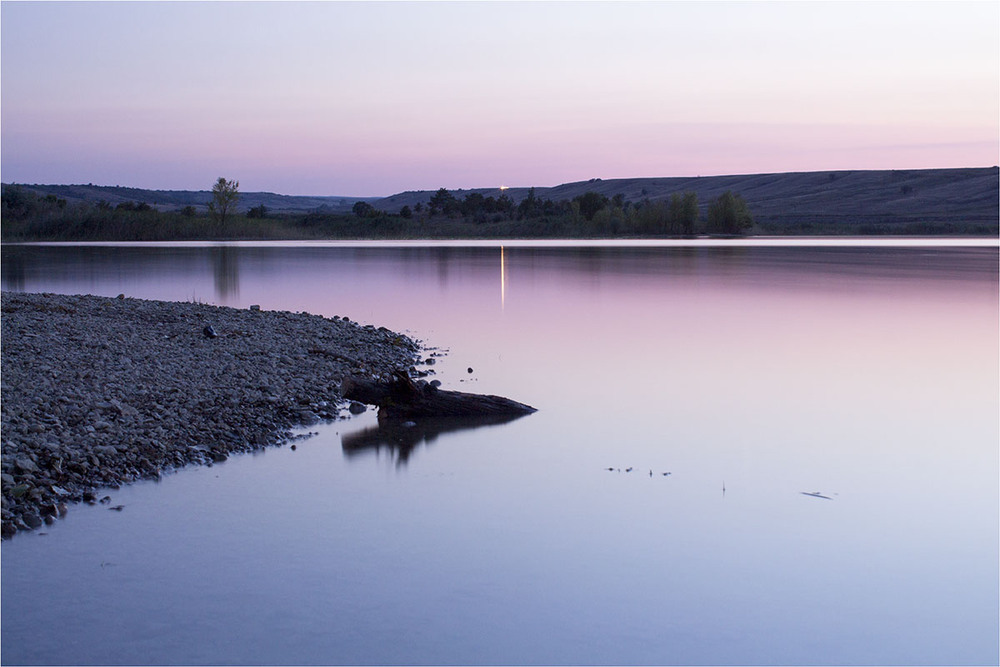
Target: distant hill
pixel 172 200
pixel 777 201
pixel 827 197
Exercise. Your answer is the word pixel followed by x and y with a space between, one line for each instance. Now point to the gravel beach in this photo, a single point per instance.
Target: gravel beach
pixel 98 392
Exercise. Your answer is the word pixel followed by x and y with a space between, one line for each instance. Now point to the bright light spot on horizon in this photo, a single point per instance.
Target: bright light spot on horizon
pixel 504 187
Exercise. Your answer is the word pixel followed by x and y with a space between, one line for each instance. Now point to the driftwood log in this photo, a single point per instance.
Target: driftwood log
pixel 402 398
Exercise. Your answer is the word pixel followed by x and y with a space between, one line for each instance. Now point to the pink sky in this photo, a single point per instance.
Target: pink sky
pixel 376 98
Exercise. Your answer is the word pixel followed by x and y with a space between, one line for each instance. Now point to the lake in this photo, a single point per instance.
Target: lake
pixel 829 414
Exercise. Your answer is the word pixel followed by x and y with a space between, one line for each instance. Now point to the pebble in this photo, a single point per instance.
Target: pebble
pixel 122 389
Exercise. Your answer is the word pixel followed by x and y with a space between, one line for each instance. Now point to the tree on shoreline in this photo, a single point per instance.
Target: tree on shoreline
pixel 225 194
pixel 363 209
pixel 590 203
pixel 729 214
pixel 444 202
pixel 683 212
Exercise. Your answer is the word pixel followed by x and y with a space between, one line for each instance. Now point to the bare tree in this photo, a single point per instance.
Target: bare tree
pixel 225 194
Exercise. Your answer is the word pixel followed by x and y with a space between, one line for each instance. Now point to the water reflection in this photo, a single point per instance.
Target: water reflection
pixel 863 378
pixel 503 280
pixel 183 272
pixel 12 268
pixel 400 438
pixel 226 272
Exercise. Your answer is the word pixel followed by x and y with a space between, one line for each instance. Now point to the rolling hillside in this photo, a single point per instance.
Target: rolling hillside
pixel 172 200
pixel 782 201
pixel 886 196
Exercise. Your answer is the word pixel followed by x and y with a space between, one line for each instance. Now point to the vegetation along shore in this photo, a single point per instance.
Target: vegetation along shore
pixel 97 392
pixel 924 202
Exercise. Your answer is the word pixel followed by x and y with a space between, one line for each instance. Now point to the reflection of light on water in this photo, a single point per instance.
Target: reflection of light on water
pixel 503 279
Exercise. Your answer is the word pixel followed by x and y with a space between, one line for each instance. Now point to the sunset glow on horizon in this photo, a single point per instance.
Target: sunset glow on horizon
pixel 369 99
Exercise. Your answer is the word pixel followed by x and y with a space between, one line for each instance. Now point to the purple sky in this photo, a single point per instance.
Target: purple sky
pixel 375 98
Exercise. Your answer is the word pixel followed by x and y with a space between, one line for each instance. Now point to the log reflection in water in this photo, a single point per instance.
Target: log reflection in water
pixel 402 437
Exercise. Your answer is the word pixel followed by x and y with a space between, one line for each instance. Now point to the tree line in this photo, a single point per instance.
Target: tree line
pixel 677 216
pixel 26 215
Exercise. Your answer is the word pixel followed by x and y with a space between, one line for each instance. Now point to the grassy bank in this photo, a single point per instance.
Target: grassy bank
pixel 175 227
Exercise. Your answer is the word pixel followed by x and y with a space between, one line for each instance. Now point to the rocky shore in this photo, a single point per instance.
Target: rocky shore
pixel 97 391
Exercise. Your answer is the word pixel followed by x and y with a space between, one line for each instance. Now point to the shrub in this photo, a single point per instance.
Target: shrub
pixel 729 214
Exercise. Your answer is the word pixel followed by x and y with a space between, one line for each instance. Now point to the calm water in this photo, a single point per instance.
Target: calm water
pixel 752 374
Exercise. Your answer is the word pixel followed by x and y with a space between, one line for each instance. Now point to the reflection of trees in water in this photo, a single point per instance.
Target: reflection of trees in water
pixel 400 438
pixel 225 268
pixel 12 265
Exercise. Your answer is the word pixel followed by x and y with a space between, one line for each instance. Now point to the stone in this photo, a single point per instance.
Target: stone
pixel 357 408
pixel 308 417
pixel 83 417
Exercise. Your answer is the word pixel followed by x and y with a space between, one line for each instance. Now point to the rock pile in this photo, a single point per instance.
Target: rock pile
pixel 99 392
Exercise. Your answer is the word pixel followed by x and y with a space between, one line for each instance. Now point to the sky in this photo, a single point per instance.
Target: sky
pixel 372 98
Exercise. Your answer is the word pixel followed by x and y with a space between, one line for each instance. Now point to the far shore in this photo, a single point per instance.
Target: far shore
pixel 704 240
pixel 906 202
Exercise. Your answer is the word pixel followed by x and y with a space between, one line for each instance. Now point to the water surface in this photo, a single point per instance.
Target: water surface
pixel 751 373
